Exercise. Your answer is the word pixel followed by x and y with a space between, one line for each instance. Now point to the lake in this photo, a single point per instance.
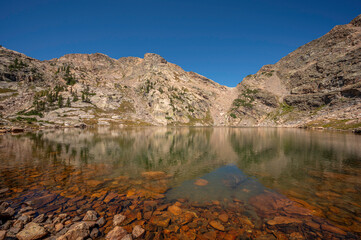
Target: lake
pixel 191 183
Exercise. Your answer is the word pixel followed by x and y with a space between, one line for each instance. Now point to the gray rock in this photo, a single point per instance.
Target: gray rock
pixel 116 234
pixel 17 226
pixel 138 231
pixel 31 231
pixel 90 216
pixel 39 219
pixel 118 219
pixel 127 237
pixel 101 222
pixel 4 190
pixel 7 225
pixel 78 230
pixel 94 233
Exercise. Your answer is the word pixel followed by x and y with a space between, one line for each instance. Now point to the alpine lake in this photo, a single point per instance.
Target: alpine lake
pixel 185 182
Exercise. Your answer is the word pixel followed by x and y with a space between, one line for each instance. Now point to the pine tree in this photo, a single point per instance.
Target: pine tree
pixel 60 101
pixel 68 102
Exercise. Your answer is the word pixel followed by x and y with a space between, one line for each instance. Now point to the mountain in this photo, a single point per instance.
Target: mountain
pixel 318 85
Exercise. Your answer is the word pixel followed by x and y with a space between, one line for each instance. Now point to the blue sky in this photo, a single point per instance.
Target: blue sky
pixel 222 40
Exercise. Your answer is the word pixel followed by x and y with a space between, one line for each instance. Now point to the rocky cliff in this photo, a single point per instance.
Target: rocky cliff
pixel 319 84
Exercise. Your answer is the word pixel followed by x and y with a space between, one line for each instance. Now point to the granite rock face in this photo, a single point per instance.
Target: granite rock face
pixel 320 81
pixel 316 85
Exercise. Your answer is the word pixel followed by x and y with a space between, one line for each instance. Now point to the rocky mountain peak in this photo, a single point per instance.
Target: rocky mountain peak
pixel 318 83
pixel 356 21
pixel 154 58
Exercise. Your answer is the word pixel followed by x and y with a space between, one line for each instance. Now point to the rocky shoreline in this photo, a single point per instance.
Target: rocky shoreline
pixel 135 214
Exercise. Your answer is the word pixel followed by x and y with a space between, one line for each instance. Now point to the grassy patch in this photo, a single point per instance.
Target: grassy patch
pixel 342 124
pixel 6 90
pixel 2 98
pixel 28 120
pixel 126 106
pixel 31 113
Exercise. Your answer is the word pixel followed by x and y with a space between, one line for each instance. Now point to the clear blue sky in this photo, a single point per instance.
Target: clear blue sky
pixel 222 40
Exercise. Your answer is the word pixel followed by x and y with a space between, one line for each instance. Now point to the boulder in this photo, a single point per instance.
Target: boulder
pixel 79 230
pixel 116 234
pixel 31 231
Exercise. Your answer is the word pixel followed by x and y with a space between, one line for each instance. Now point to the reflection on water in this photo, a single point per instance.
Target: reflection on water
pixel 320 170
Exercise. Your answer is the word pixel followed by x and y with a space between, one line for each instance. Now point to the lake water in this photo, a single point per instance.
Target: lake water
pixel 247 173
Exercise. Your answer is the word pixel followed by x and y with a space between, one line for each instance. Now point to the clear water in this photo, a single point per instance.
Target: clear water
pixel 320 170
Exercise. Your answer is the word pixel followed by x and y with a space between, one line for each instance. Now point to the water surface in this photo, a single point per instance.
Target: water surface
pixel 319 170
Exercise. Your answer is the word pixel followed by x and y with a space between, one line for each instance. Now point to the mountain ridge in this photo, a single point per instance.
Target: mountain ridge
pixel 317 85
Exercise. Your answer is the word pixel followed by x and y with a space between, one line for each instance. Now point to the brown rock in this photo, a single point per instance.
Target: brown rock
pixel 223 217
pixel 110 197
pixel 161 221
pixel 296 236
pixel 41 201
pixel 332 229
pixel 283 220
pixel 31 231
pixel 2 234
pixel 156 175
pixel 201 182
pixel 186 218
pixel 116 234
pixel 211 235
pixel 58 227
pixel 217 225
pixel 175 210
pixel 312 224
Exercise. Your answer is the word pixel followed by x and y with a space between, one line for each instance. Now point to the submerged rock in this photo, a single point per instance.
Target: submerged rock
pixel 217 225
pixel 283 220
pixel 138 231
pixel 175 210
pixel 201 182
pixel 156 175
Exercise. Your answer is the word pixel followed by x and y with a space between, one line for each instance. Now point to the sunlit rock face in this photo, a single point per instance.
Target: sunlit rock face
pixel 318 84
